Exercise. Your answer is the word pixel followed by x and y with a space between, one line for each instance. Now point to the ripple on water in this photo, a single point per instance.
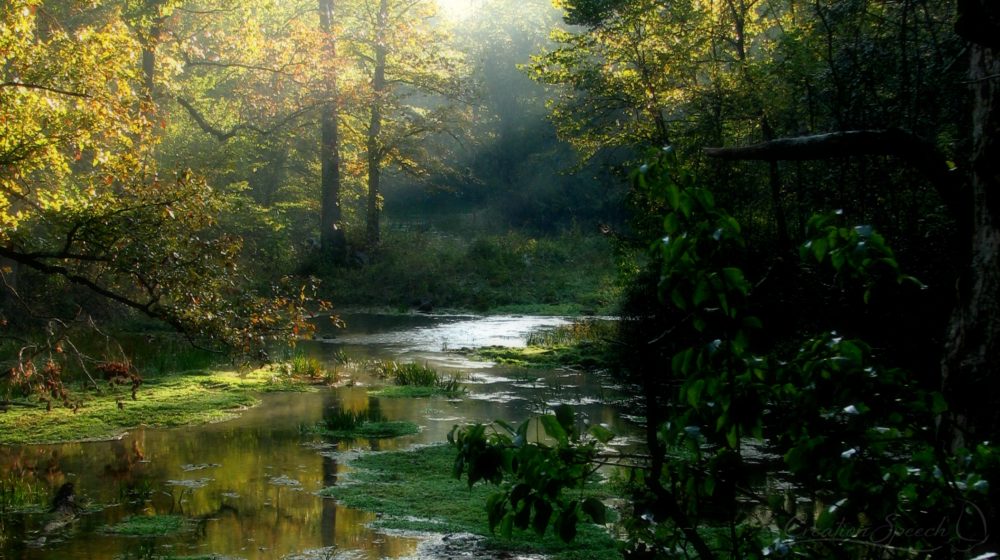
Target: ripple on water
pixel 498 397
pixel 200 467
pixel 190 484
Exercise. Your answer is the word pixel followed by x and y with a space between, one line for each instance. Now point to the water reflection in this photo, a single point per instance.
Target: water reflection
pixel 249 485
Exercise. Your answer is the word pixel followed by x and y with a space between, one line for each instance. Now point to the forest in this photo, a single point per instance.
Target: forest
pixel 432 279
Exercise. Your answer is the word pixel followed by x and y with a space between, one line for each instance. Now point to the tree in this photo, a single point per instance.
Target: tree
pixel 331 230
pixel 414 92
pixel 82 199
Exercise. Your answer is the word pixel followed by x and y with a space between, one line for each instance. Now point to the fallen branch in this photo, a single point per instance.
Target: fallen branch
pixel 914 150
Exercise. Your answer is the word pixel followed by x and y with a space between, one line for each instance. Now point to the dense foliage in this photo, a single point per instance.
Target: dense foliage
pixel 812 181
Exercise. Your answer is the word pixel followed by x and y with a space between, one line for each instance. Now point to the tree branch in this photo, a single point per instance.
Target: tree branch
pixel 22 85
pixel 914 150
pixel 143 307
pixel 224 135
pixel 219 134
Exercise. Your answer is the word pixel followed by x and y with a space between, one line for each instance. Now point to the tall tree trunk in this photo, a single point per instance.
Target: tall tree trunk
pixel 374 146
pixel 332 241
pixel 149 37
pixel 971 366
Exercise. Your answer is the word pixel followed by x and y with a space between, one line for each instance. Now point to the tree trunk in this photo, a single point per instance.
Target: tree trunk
pixel 149 37
pixel 971 366
pixel 332 241
pixel 375 128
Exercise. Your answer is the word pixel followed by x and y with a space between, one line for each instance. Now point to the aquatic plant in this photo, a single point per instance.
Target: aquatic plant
pixel 18 494
pixel 411 378
pixel 367 423
pixel 301 365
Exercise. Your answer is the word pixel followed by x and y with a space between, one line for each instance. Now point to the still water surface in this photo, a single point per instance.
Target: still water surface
pixel 250 484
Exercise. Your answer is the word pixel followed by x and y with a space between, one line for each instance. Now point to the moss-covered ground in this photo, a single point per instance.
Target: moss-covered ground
pixel 168 400
pixel 586 343
pixel 415 491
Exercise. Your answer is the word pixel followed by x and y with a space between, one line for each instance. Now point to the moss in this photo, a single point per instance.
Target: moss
pixel 415 491
pixel 585 343
pixel 148 526
pixel 586 355
pixel 164 401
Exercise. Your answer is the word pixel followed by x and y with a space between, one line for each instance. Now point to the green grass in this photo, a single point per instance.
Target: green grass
pixel 163 401
pixel 148 526
pixel 368 423
pixel 412 392
pixel 584 344
pixel 19 495
pixel 413 380
pixel 414 490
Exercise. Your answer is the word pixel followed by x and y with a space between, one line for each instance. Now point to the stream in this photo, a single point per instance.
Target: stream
pixel 250 484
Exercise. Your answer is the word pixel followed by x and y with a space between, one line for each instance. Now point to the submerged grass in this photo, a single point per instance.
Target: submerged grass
pixel 415 491
pixel 162 401
pixel 20 495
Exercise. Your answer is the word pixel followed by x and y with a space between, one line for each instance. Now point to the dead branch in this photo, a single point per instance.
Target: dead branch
pixel 914 150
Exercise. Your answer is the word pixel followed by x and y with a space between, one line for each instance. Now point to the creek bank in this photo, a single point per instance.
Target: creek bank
pixel 169 400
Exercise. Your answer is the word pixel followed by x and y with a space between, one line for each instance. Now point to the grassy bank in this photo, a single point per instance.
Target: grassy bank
pixel 513 273
pixel 162 401
pixel 415 491
pixel 582 344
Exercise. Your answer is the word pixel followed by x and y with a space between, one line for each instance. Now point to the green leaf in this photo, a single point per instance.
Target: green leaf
pixel 694 392
pixel 819 247
pixel 938 404
pixel 553 428
pixel 596 510
pixel 702 291
pixel 601 433
pixel 507 526
pixel 566 523
pixel 523 516
pixel 678 298
pixel 543 513
pixel 566 418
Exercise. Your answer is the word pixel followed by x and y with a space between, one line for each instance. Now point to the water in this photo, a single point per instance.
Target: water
pixel 249 485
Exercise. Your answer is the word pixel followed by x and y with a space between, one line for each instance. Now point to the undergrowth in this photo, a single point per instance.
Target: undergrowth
pixel 569 274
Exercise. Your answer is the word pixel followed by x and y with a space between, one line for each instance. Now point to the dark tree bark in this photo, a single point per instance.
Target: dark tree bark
pixel 332 239
pixel 972 360
pixel 374 144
